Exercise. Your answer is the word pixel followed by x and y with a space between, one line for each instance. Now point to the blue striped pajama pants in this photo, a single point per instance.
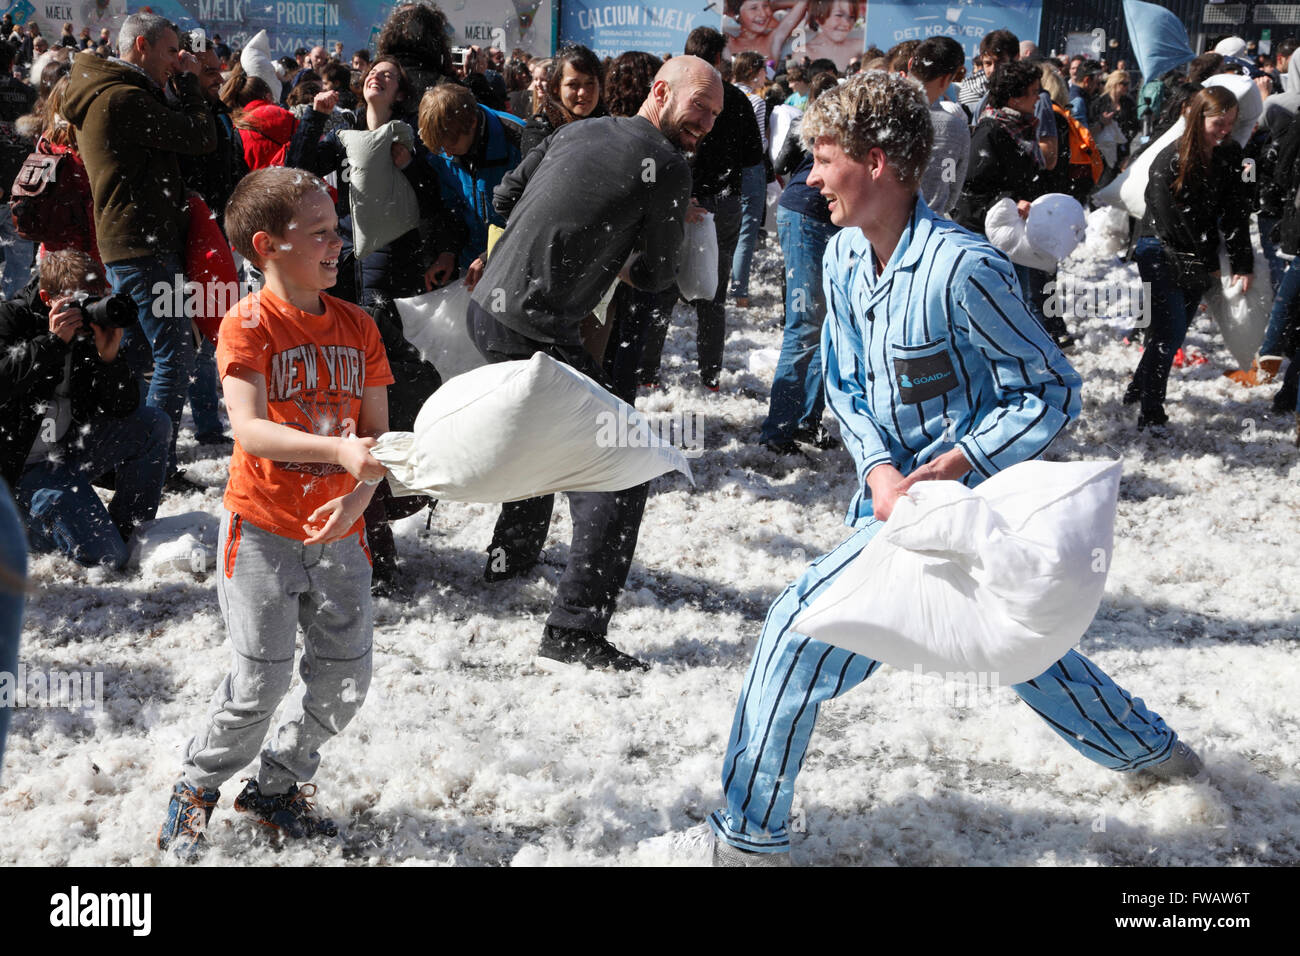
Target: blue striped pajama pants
pixel 791 675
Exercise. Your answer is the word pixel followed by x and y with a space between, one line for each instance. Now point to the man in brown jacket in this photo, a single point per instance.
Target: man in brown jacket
pixel 133 115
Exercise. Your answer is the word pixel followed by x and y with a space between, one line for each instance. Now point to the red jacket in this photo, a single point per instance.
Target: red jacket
pixel 265 130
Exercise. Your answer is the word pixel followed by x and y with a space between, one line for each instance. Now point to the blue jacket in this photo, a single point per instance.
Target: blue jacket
pixel 939 350
pixel 467 181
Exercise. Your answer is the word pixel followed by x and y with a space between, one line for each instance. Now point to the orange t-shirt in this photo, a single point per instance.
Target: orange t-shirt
pixel 316 367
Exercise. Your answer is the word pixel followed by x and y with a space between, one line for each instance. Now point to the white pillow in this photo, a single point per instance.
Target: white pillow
pixel 515 430
pixel 994 584
pixel 1242 316
pixel 1006 230
pixel 383 203
pixel 697 274
pixel 436 324
pixel 257 61
pixel 1056 225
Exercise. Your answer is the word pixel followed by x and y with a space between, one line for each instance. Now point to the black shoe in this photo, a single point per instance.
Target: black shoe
pixel 566 645
pixel 388 583
pixel 291 813
pixel 217 438
pixel 179 483
pixel 818 437
pixel 784 446
pixel 1152 419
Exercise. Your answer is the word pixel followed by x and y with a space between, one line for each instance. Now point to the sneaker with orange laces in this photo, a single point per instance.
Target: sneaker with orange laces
pixel 292 813
pixel 188 814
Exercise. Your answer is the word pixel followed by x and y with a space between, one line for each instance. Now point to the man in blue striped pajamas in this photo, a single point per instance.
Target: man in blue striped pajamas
pixel 936 370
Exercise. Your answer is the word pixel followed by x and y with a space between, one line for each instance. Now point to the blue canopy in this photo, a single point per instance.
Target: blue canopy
pixel 1158 37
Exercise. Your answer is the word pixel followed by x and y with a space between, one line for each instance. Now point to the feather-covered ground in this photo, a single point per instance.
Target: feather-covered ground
pixel 467 753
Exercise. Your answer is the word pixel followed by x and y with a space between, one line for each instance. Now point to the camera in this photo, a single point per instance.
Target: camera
pixel 116 311
pixel 459 55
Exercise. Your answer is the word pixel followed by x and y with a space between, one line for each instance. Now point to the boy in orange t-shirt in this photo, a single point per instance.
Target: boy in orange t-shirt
pixel 304 375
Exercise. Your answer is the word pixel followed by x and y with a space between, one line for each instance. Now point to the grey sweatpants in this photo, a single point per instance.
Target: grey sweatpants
pixel 268 586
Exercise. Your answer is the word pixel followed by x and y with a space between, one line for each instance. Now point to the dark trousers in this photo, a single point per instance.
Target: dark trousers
pixel 712 332
pixel 1172 310
pixel 633 313
pixel 605 523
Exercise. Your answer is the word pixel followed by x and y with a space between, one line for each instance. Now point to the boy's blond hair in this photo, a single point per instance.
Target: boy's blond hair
pixel 267 200
pixel 447 112
pixel 875 109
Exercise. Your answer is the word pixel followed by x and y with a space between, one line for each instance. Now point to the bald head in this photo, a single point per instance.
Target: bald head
pixel 688 69
pixel 684 100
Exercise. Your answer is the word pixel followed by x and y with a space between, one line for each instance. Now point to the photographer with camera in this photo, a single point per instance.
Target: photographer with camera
pixel 70 412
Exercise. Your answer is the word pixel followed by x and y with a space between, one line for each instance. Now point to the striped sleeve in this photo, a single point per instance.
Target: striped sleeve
pixel 845 374
pixel 1036 392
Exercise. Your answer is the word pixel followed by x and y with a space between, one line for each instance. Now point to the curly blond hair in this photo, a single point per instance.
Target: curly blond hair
pixel 875 110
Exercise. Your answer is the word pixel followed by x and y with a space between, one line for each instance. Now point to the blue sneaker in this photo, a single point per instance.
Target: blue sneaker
pixel 188 813
pixel 291 813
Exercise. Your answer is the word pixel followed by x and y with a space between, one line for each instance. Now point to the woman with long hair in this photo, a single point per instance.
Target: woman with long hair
pixel 413 263
pixel 573 93
pixel 519 83
pixel 1195 195
pixel 540 71
pixel 59 138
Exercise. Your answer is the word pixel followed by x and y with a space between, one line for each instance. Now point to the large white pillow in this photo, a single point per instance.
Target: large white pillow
pixel 995 584
pixel 1242 316
pixel 1006 230
pixel 436 324
pixel 257 61
pixel 515 430
pixel 382 201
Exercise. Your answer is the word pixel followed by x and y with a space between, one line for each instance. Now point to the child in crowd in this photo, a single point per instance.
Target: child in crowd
pixel 304 374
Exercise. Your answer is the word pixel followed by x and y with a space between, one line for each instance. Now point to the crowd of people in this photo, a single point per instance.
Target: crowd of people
pixel 96 376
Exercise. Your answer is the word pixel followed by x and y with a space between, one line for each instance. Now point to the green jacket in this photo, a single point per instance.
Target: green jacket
pixel 129 139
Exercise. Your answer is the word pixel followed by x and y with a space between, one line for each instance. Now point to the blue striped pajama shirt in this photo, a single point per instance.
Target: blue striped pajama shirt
pixel 939 350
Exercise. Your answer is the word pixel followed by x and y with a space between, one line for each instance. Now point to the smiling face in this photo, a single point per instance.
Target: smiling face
pixel 210 75
pixel 160 60
pixel 844 182
pixel 690 112
pixel 1217 128
pixel 381 88
pixel 755 16
pixel 839 22
pixel 306 258
pixel 579 92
